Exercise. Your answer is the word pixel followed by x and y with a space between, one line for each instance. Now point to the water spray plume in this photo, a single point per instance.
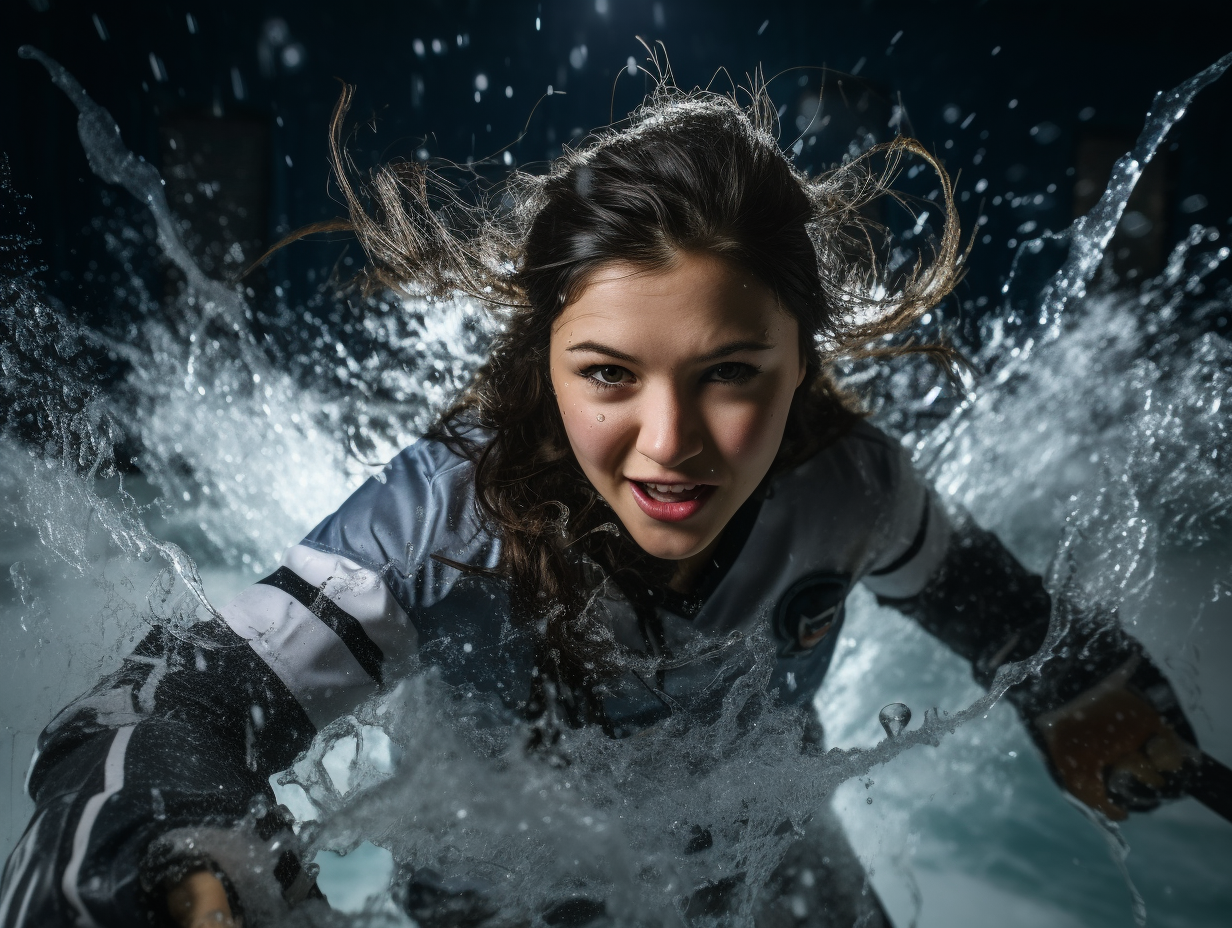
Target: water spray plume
pixel 1133 449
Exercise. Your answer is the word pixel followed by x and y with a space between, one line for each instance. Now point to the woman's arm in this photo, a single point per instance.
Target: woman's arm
pixel 182 737
pixel 139 782
pixel 1101 711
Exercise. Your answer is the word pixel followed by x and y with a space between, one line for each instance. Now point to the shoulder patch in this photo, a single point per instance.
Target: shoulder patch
pixel 808 611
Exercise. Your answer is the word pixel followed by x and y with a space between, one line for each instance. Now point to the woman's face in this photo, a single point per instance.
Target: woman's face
pixel 674 386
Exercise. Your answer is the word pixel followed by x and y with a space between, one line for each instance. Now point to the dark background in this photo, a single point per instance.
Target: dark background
pixel 232 100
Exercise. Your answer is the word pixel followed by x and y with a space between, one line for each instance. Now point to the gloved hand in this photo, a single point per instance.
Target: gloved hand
pixel 199 900
pixel 1113 750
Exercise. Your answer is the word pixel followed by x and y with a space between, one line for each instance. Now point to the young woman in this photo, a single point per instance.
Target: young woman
pixel 654 455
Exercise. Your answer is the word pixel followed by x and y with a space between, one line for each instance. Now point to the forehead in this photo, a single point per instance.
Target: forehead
pixel 698 295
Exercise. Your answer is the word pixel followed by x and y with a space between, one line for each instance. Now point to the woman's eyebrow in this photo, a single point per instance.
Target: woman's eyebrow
pixel 602 349
pixel 734 347
pixel 722 351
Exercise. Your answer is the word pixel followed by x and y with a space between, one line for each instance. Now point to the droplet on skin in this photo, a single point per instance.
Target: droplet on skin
pixel 599 418
pixel 894 718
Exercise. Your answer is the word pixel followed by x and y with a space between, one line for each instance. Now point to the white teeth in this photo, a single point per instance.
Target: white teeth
pixel 672 487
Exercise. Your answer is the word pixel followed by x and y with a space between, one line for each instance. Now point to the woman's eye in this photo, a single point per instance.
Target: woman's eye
pixel 731 372
pixel 609 375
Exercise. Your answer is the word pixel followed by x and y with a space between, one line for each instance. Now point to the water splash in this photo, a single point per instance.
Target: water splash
pixel 1088 237
pixel 115 164
pixel 1118 852
pixel 1010 340
pixel 246 454
pixel 1082 411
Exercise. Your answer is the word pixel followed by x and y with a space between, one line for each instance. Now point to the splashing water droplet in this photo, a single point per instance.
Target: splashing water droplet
pixel 894 718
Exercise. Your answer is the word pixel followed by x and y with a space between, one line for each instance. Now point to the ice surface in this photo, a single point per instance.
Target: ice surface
pixel 1094 443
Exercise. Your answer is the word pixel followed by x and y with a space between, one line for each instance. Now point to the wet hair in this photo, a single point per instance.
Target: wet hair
pixel 686 172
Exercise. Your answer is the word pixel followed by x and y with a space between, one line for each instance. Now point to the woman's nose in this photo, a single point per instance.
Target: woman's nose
pixel 671 428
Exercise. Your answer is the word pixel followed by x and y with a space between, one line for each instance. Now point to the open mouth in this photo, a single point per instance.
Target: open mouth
pixel 670 502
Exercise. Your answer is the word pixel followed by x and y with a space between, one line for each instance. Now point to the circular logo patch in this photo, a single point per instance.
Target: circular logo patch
pixel 808 611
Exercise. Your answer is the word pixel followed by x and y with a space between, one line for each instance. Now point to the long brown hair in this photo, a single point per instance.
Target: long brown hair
pixel 695 171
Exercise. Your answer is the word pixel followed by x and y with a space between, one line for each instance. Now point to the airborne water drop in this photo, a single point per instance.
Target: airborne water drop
pixel 894 718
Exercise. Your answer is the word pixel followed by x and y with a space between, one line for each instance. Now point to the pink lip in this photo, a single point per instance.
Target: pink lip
pixel 670 512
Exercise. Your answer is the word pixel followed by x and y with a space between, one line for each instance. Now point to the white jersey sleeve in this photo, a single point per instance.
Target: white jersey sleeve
pixel 914 535
pixel 342 604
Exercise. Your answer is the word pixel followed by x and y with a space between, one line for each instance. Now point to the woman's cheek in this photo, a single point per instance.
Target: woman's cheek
pixel 745 432
pixel 767 418
pixel 593 435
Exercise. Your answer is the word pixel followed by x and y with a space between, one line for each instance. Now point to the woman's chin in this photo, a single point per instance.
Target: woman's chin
pixel 669 545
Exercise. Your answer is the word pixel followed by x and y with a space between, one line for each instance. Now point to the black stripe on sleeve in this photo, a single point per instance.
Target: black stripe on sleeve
pixel 906 557
pixel 344 625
